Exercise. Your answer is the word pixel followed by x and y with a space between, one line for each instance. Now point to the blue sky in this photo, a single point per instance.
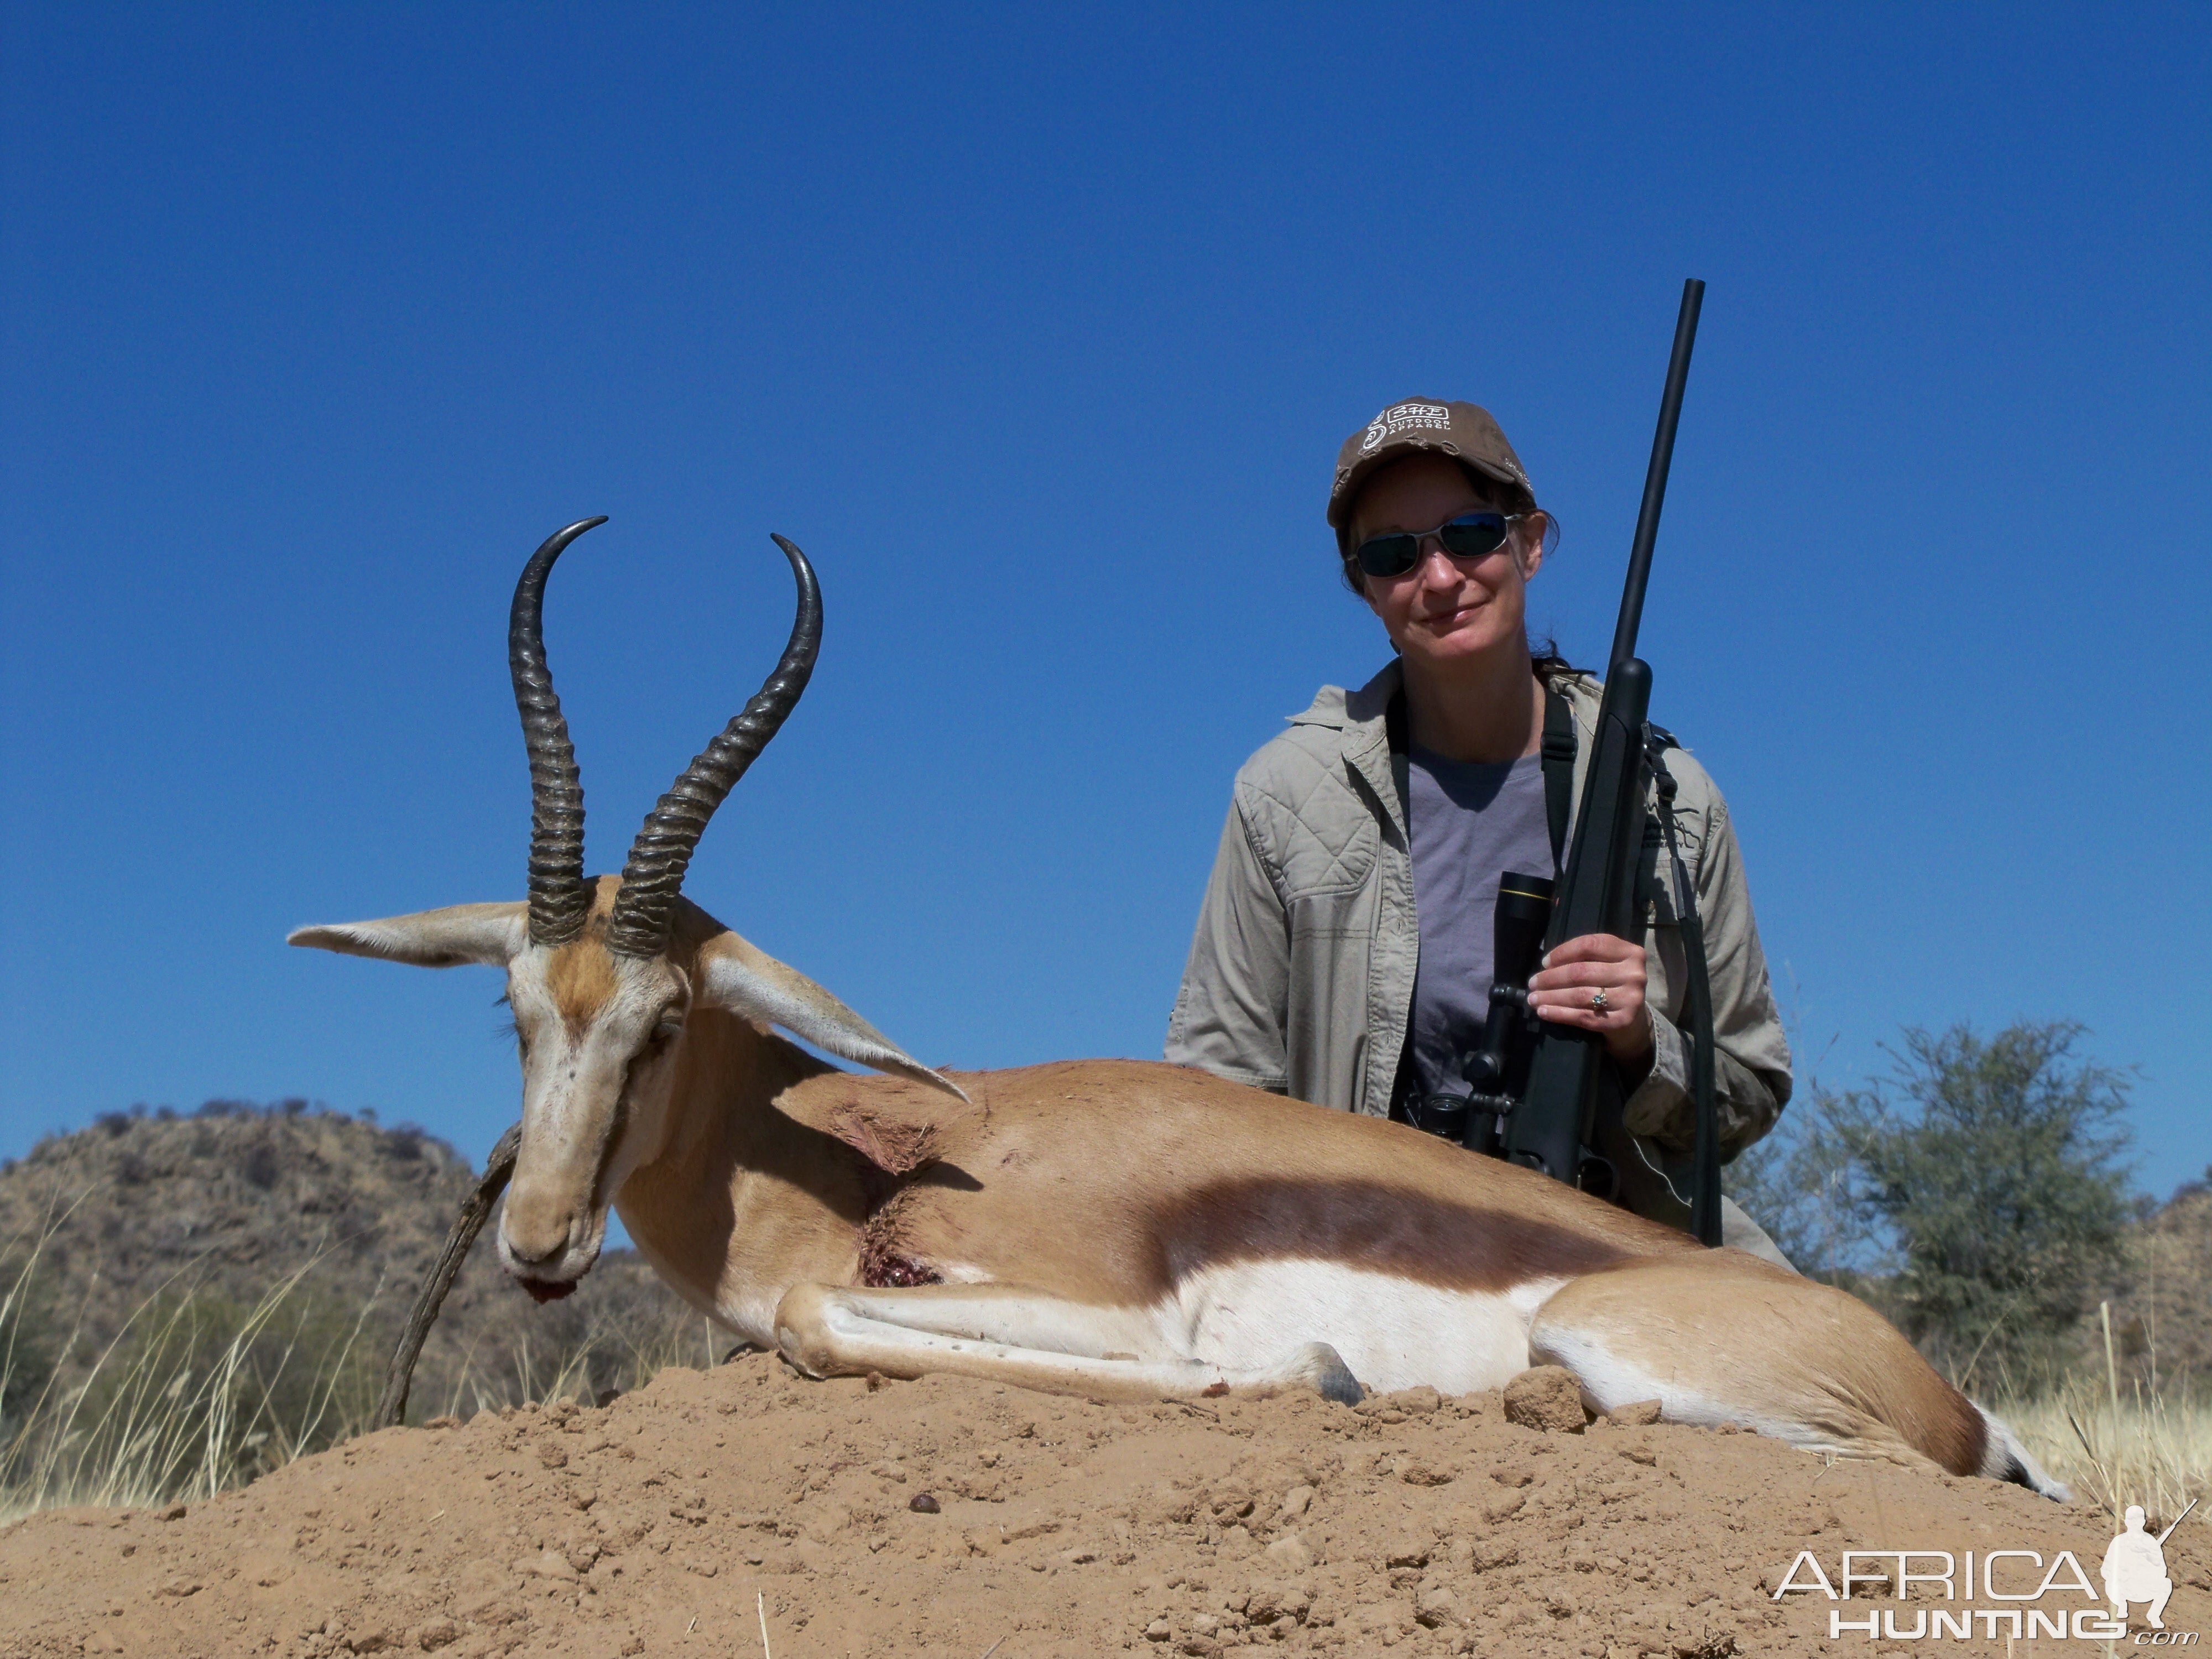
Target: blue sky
pixel 1038 330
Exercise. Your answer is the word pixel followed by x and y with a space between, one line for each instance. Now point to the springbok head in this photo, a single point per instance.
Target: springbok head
pixel 605 976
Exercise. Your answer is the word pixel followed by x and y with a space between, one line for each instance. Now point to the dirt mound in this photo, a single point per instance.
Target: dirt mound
pixel 1052 1527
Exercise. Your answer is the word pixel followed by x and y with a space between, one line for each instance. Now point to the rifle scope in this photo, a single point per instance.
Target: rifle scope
pixel 1497 1072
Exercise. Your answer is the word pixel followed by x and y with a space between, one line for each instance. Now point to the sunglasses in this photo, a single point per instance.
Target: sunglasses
pixel 1469 536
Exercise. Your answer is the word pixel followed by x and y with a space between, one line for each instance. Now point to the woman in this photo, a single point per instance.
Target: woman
pixel 1342 952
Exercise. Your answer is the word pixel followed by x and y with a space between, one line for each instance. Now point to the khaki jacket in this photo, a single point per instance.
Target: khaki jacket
pixel 1301 971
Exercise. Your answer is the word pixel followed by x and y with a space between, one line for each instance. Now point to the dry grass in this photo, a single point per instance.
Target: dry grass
pixel 198 1392
pixel 183 1405
pixel 547 1373
pixel 2116 1446
pixel 2156 1452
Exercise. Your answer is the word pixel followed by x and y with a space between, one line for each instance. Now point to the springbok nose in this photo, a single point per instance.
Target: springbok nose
pixel 530 1258
pixel 534 1232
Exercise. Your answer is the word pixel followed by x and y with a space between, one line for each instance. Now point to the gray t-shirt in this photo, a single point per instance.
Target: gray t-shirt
pixel 1471 824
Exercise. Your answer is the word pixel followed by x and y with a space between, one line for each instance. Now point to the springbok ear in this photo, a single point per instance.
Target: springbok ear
pixel 490 933
pixel 734 976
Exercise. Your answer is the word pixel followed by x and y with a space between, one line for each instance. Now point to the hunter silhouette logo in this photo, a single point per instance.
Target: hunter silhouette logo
pixel 2133 1571
pixel 2134 1568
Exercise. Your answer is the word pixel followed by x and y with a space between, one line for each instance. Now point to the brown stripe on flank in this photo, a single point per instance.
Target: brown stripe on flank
pixel 1373 1226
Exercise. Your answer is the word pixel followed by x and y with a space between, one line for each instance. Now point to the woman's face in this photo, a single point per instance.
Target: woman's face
pixel 1445 609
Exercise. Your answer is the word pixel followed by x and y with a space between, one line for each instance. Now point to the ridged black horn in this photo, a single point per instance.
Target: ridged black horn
pixel 662 852
pixel 559 901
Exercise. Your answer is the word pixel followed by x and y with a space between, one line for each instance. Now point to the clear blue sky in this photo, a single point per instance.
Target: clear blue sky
pixel 1038 330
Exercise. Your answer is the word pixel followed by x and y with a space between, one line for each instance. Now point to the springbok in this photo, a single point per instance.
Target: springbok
pixel 1112 1228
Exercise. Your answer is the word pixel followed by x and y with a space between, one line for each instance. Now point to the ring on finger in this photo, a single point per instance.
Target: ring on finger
pixel 1597 1000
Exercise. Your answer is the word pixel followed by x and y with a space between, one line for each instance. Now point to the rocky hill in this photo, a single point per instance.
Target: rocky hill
pixel 2162 1312
pixel 123 1225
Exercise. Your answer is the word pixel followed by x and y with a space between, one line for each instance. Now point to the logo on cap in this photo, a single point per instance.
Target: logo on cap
pixel 1405 417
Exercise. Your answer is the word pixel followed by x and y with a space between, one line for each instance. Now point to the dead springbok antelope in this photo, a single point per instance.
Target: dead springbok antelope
pixel 1105 1227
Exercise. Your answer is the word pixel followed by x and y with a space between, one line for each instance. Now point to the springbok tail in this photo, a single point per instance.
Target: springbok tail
pixel 2003 1458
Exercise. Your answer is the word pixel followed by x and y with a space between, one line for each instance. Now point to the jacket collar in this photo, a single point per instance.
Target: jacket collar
pixel 1361 717
pixel 1349 711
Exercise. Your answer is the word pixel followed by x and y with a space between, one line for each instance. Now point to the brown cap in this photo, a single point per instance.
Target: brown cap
pixel 1461 431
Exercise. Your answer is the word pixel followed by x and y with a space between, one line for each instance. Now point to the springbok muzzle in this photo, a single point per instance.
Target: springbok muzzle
pixel 548 1245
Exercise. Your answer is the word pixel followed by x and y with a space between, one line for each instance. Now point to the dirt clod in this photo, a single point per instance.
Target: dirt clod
pixel 1436 1605
pixel 1546 1398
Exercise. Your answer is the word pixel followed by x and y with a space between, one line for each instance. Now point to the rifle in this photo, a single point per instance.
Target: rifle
pixel 2177 1520
pixel 1543 1095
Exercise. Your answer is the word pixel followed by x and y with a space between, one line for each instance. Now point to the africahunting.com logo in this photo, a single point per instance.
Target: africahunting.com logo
pixel 2132 1573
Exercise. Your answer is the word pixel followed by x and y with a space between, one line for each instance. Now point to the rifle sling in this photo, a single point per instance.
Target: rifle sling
pixel 1559 761
pixel 1558 752
pixel 1705 1178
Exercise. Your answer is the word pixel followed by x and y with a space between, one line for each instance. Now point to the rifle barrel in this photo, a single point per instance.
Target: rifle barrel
pixel 2177 1520
pixel 1654 480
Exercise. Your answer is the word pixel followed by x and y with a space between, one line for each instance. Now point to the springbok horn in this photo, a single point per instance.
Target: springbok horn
pixel 559 902
pixel 662 852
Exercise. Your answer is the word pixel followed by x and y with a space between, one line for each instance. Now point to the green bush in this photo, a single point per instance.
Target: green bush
pixel 1976 1193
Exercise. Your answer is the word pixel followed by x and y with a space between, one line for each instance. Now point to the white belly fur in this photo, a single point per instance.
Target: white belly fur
pixel 1393 1334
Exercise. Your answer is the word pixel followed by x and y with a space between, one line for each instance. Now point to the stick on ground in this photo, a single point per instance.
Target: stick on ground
pixel 476 1209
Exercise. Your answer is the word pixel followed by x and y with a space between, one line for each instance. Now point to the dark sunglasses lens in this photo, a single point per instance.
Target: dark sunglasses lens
pixel 1474 534
pixel 1389 555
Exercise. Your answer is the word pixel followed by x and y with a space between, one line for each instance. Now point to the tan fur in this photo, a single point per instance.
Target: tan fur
pixel 580 976
pixel 1766 1347
pixel 894 1147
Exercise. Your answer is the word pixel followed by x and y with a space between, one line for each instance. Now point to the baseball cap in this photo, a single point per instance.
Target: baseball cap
pixel 1463 432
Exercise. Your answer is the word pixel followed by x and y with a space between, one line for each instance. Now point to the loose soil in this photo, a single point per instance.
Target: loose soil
pixel 1059 1527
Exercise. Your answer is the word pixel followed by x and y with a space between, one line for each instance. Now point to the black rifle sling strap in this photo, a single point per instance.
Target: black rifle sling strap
pixel 1405 1087
pixel 1705 1189
pixel 1558 753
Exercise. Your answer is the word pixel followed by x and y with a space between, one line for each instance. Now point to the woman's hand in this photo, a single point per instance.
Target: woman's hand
pixel 1575 971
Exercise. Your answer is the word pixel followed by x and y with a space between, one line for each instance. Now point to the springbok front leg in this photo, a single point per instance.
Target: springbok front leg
pixel 1008 1333
pixel 1725 1338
